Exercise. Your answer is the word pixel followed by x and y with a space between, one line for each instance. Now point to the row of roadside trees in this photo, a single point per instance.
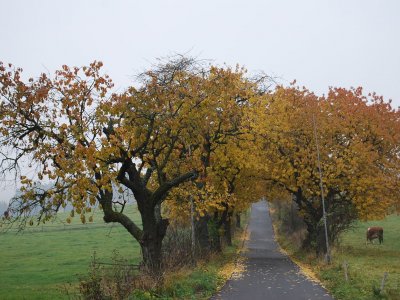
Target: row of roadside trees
pixel 191 138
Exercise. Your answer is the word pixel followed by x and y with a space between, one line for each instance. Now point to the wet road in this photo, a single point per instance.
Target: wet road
pixel 269 274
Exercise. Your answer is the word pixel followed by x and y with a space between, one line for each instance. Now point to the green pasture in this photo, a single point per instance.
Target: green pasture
pixel 39 262
pixel 367 263
pixel 36 263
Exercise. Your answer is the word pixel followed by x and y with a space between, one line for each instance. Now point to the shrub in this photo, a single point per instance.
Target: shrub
pixel 177 248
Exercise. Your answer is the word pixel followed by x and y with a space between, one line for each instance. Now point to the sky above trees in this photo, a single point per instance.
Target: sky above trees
pixel 321 44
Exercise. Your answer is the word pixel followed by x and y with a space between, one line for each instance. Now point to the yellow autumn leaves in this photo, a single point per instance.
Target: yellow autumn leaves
pixel 241 139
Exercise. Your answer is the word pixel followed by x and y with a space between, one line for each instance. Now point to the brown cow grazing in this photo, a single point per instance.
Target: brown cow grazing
pixel 374 233
pixel 6 215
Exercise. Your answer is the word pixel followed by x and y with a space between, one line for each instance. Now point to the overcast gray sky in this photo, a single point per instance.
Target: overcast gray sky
pixel 320 43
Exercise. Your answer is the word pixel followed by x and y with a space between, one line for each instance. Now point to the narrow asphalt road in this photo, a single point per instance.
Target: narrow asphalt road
pixel 269 274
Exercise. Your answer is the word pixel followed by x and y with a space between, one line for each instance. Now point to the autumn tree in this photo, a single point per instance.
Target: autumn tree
pixel 197 133
pixel 92 144
pixel 233 174
pixel 225 140
pixel 220 125
pixel 359 156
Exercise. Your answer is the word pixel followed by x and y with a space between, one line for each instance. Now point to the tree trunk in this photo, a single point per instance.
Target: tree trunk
pixel 309 241
pixel 154 230
pixel 320 244
pixel 150 237
pixel 193 230
pixel 315 238
pixel 228 231
pixel 151 251
pixel 202 235
pixel 238 220
pixel 214 226
pixel 292 222
pixel 215 243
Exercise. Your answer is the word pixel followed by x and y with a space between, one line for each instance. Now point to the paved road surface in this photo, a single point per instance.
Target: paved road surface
pixel 269 274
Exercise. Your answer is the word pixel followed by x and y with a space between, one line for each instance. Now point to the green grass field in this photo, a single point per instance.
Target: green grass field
pixel 39 262
pixel 35 264
pixel 367 264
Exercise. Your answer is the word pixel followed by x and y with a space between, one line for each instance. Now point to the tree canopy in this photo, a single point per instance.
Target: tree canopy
pixel 193 132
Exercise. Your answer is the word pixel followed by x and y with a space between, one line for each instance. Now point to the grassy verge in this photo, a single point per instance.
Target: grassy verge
pixel 366 264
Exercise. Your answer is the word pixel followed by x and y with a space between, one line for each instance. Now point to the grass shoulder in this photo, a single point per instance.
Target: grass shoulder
pixel 366 264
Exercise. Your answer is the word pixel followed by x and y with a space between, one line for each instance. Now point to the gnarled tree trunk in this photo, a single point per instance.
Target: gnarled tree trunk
pixel 151 245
